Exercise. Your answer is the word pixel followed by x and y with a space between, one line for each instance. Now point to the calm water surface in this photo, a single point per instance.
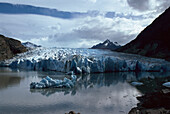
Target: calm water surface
pixel 109 93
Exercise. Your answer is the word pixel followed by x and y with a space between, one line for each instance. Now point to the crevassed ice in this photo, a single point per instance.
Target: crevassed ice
pixel 84 61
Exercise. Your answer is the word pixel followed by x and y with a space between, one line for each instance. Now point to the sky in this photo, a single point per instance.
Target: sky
pixel 77 23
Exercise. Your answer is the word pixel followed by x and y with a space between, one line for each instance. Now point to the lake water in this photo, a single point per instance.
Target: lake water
pixel 109 93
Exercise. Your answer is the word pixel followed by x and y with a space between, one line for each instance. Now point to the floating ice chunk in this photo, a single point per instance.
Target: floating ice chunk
pixel 70 73
pixel 137 83
pixel 73 78
pixel 78 70
pixel 167 84
pixel 48 82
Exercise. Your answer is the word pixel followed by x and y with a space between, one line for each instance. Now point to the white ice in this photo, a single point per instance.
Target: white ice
pixel 84 61
pixel 167 84
pixel 48 82
pixel 137 83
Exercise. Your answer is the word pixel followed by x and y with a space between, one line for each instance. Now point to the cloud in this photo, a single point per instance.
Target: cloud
pixel 117 20
pixel 141 5
pixel 93 1
pixel 77 32
pixel 77 5
pixel 123 6
pixel 149 5
pixel 163 5
pixel 92 30
pixel 7 8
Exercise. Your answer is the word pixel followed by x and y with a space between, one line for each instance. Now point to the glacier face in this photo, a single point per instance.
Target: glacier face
pixel 84 61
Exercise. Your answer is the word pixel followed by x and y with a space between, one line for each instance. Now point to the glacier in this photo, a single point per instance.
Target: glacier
pixel 84 61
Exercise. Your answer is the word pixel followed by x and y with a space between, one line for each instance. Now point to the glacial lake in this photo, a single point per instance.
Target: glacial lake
pixel 109 93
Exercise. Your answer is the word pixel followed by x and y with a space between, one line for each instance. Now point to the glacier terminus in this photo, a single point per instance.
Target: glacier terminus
pixel 84 61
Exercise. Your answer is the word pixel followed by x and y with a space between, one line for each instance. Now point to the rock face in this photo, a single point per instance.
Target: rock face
pixel 30 45
pixel 107 45
pixel 10 47
pixel 153 103
pixel 154 40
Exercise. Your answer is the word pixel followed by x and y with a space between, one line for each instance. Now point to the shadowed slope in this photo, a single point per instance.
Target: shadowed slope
pixel 154 40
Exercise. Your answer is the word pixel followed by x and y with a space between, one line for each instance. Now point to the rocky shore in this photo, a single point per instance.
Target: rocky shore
pixel 153 103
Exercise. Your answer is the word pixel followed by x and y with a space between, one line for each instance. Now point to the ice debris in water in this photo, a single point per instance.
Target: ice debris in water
pixel 48 82
pixel 167 84
pixel 137 83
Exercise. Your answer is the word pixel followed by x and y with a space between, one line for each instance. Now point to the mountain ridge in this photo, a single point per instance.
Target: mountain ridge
pixel 107 44
pixel 30 45
pixel 154 40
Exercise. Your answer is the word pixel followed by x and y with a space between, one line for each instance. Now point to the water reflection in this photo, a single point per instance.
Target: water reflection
pixel 152 82
pixel 151 103
pixel 109 93
pixel 7 79
pixel 49 91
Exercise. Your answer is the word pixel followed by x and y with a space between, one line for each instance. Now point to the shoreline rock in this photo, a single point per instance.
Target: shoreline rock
pixel 153 103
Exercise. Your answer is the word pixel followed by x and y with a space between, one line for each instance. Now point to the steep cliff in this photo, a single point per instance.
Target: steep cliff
pixel 10 47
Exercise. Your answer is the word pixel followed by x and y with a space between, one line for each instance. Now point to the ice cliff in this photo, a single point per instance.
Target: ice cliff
pixel 84 61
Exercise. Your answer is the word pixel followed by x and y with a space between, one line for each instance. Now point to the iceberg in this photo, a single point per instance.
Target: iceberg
pixel 84 61
pixel 48 82
pixel 137 83
pixel 167 84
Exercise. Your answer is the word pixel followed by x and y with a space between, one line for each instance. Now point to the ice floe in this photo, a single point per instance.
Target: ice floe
pixel 167 84
pixel 48 82
pixel 136 83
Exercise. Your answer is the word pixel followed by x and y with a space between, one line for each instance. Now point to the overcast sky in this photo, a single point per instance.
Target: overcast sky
pixel 80 23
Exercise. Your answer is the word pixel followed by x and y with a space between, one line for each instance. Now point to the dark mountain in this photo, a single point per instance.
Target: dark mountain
pixel 10 47
pixel 30 45
pixel 107 45
pixel 154 40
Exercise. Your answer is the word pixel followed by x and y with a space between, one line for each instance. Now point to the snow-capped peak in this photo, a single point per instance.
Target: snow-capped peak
pixel 30 45
pixel 107 44
pixel 116 43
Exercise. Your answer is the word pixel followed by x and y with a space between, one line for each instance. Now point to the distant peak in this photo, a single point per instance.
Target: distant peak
pixel 107 41
pixel 107 44
pixel 30 45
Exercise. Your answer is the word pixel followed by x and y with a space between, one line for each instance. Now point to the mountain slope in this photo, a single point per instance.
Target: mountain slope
pixel 107 44
pixel 154 40
pixel 10 47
